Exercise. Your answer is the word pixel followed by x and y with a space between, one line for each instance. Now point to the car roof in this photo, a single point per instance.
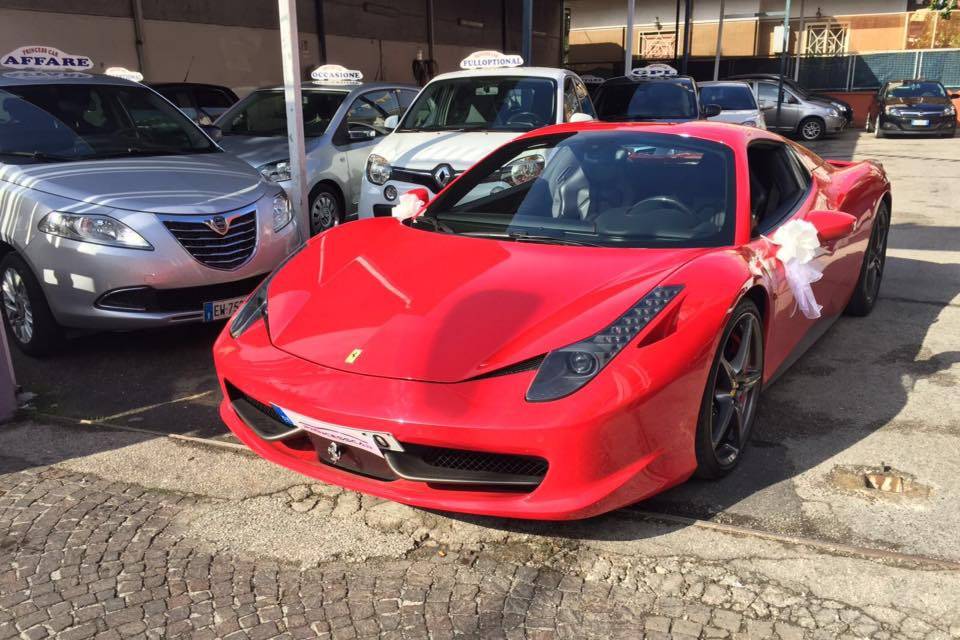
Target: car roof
pixel 186 85
pixel 731 135
pixel 344 88
pixel 912 80
pixel 534 72
pixel 724 83
pixel 22 78
pixel 635 79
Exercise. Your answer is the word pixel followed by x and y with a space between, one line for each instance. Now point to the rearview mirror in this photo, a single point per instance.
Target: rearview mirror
pixel 215 132
pixel 955 96
pixel 391 122
pixel 832 225
pixel 711 110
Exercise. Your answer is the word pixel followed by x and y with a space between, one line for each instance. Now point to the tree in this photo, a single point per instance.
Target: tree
pixel 944 7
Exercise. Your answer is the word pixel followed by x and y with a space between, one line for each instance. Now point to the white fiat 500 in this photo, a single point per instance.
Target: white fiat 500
pixel 460 117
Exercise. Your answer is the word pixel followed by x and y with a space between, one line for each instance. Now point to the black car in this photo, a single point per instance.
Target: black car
pixel 654 93
pixel 846 110
pixel 203 103
pixel 913 106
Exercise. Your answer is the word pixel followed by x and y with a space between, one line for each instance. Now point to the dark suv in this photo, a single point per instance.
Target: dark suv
pixel 654 92
pixel 913 106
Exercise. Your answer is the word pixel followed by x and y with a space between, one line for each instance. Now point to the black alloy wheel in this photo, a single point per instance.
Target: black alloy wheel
pixel 871 271
pixel 733 391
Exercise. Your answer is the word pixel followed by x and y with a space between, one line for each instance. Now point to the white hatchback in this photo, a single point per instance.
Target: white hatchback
pixel 459 118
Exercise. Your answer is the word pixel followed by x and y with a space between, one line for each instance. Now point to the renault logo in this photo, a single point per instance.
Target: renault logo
pixel 218 224
pixel 443 174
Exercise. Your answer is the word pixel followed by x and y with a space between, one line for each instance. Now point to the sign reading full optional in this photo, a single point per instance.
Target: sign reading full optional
pixel 48 58
pixel 490 60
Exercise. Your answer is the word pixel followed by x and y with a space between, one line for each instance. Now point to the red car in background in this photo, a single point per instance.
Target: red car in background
pixel 583 319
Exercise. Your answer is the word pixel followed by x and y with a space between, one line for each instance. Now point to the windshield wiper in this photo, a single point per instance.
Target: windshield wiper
pixel 41 156
pixel 523 236
pixel 436 224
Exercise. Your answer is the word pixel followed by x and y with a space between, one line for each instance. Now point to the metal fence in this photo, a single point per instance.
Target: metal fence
pixel 852 72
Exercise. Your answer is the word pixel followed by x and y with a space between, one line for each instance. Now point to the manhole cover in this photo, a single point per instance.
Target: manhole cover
pixel 881 481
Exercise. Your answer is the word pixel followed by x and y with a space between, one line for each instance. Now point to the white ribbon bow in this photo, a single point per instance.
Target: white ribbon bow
pixel 408 206
pixel 799 245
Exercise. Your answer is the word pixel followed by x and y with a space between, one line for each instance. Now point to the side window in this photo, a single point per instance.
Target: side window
pixel 212 99
pixel 767 92
pixel 370 110
pixel 406 97
pixel 777 184
pixel 586 105
pixel 571 102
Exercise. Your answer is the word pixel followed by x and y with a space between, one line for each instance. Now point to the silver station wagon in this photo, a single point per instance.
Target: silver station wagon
pixel 118 212
pixel 342 123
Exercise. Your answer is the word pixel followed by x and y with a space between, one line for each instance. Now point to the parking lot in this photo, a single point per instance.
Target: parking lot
pixel 875 394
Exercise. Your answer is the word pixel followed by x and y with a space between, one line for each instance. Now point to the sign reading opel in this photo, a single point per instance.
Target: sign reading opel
pixel 490 60
pixel 40 57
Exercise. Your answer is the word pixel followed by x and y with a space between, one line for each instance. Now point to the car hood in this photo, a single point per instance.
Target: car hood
pixel 931 103
pixel 258 150
pixel 190 184
pixel 426 149
pixel 435 307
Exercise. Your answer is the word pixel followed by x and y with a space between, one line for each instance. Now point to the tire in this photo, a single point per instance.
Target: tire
pixel 26 315
pixel 877 129
pixel 326 208
pixel 868 125
pixel 871 270
pixel 729 406
pixel 811 129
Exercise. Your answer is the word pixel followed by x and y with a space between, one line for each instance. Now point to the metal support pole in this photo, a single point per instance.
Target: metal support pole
pixel 687 34
pixel 628 39
pixel 526 49
pixel 716 61
pixel 785 51
pixel 430 33
pixel 137 8
pixel 321 32
pixel 290 55
pixel 800 27
pixel 676 38
pixel 503 26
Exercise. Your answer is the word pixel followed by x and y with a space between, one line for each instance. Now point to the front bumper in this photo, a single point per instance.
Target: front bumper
pixel 83 282
pixel 909 124
pixel 626 435
pixel 835 124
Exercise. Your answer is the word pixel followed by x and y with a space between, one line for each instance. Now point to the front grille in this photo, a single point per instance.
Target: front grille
pixel 461 468
pixel 422 178
pixel 260 417
pixel 382 210
pixel 228 251
pixel 497 463
pixel 148 299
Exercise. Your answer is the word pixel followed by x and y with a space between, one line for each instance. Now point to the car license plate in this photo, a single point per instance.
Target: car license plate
pixel 919 123
pixel 371 441
pixel 221 309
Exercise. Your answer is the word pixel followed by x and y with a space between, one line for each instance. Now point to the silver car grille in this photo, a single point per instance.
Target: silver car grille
pixel 228 250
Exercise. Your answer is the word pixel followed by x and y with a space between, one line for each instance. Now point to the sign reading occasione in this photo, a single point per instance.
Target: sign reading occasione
pixel 490 60
pixel 334 73
pixel 41 57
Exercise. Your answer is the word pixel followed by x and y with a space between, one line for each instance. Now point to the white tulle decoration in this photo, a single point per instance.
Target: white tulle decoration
pixel 799 245
pixel 408 206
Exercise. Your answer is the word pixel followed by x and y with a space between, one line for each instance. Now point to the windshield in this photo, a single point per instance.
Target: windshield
pixel 88 121
pixel 728 97
pixel 647 101
pixel 484 103
pixel 603 188
pixel 916 90
pixel 264 113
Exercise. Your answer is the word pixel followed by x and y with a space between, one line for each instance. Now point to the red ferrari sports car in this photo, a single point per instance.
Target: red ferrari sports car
pixel 583 319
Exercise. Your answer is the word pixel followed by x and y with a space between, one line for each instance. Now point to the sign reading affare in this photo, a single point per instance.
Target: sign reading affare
pixel 40 57
pixel 336 74
pixel 490 60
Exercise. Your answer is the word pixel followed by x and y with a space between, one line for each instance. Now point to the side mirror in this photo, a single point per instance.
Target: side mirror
pixel 212 130
pixel 579 116
pixel 391 122
pixel 955 96
pixel 832 225
pixel 357 135
pixel 711 110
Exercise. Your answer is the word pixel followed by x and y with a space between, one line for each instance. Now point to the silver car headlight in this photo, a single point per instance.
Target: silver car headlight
pixel 282 211
pixel 378 169
pixel 950 110
pixel 565 370
pixel 893 111
pixel 277 171
pixel 834 113
pixel 749 123
pixel 96 229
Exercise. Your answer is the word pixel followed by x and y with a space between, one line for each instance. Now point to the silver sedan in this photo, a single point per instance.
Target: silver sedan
pixel 118 212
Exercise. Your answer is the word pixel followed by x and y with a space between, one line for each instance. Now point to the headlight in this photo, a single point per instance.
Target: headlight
pixel 92 228
pixel 278 171
pixel 834 113
pixel 893 111
pixel 749 123
pixel 256 305
pixel 378 169
pixel 950 110
pixel 521 170
pixel 282 211
pixel 565 370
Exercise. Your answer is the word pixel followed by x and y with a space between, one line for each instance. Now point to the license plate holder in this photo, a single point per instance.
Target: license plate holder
pixel 221 309
pixel 920 123
pixel 370 441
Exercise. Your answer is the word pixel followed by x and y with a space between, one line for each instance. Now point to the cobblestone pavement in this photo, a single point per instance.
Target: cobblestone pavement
pixel 83 557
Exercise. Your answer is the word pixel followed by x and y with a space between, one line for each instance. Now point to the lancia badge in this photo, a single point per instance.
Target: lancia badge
pixel 218 224
pixel 350 359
